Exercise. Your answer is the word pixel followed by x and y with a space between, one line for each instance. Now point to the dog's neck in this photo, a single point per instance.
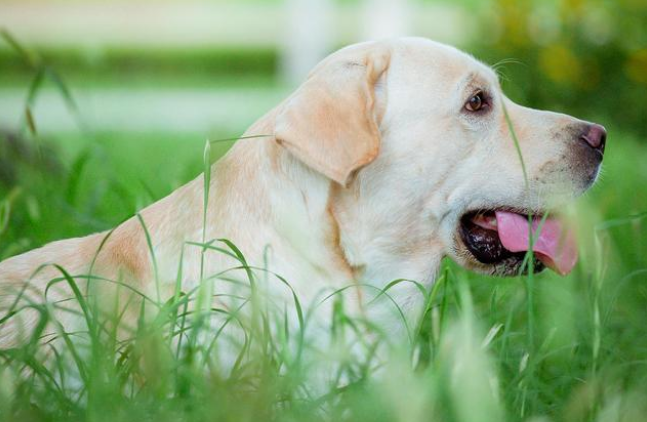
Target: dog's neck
pixel 319 235
pixel 281 214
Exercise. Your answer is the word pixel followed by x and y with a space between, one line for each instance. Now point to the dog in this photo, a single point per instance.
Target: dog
pixel 391 156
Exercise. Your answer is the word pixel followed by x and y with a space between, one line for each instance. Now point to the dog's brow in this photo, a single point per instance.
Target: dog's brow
pixel 472 81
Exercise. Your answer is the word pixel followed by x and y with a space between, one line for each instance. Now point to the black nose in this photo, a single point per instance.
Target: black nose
pixel 595 136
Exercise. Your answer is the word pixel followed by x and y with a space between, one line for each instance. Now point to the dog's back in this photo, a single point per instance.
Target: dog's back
pixel 30 280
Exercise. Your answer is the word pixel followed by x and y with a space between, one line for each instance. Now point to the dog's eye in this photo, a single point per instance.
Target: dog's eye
pixel 476 103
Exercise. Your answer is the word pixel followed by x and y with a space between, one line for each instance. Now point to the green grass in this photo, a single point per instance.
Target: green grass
pixel 95 181
pixel 586 361
pixel 472 358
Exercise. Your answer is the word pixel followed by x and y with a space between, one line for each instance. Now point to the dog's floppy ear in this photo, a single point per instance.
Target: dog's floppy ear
pixel 330 122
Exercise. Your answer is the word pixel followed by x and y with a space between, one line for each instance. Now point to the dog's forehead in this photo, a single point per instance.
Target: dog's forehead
pixel 442 63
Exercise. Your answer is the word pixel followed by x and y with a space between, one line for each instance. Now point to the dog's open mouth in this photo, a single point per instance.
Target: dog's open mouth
pixel 504 237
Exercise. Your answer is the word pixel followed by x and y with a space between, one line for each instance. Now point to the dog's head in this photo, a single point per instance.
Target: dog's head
pixel 418 135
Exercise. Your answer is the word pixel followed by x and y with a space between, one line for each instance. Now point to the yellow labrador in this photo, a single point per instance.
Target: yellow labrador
pixel 390 156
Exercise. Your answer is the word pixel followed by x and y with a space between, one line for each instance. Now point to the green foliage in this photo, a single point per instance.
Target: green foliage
pixel 587 359
pixel 585 57
pixel 150 67
pixel 471 358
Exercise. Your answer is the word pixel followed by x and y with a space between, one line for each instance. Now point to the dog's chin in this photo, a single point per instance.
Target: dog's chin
pixel 479 249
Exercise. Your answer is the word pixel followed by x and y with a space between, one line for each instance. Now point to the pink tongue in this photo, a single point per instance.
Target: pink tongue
pixel 554 247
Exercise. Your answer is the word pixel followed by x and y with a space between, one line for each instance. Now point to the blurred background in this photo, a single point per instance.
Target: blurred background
pixel 106 105
pixel 199 66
